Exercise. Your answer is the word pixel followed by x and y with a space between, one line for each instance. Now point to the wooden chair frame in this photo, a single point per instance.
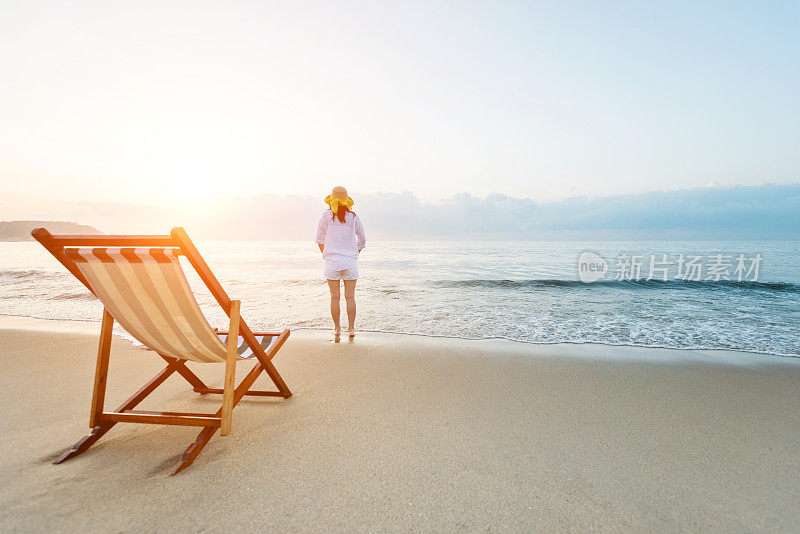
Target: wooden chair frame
pixel 101 421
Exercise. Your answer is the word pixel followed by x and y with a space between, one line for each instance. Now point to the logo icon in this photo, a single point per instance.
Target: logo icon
pixel 591 267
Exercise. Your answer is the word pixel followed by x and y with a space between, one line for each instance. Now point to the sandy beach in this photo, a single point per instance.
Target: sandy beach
pixel 398 433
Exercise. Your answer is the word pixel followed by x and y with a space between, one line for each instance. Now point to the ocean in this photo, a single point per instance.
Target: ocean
pixel 728 295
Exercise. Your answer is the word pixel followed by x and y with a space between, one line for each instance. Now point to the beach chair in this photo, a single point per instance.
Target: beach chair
pixel 141 283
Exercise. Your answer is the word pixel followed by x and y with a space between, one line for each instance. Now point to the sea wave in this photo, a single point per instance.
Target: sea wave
pixel 563 340
pixel 33 274
pixel 781 287
pixel 74 296
pixel 464 302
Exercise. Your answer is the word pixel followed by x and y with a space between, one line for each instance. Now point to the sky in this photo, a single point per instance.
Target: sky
pixel 177 104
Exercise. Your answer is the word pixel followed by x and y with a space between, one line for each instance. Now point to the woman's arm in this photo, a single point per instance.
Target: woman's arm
pixel 322 230
pixel 362 239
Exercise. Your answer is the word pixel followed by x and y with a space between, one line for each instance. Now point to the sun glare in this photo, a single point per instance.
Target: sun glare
pixel 195 169
pixel 189 187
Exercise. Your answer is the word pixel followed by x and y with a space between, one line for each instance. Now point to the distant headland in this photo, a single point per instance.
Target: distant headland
pixel 21 230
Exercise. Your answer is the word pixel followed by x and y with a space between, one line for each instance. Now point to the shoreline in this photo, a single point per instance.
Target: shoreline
pixel 732 355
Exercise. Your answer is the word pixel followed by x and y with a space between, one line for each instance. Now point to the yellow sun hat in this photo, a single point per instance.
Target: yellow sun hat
pixel 339 197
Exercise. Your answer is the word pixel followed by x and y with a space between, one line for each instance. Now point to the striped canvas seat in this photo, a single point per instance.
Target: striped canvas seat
pixel 244 350
pixel 146 291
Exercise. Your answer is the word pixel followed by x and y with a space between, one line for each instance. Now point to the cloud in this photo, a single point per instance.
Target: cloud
pixel 739 212
pixel 755 212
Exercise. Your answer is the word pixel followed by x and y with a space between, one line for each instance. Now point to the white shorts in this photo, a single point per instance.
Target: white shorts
pixel 338 270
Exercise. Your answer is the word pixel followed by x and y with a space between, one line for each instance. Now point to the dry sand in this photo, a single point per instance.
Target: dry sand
pixel 398 433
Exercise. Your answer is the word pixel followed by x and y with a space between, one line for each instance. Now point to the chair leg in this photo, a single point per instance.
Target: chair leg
pixel 230 371
pixel 100 430
pixel 101 371
pixel 266 361
pixel 193 450
pixel 208 432
pixel 277 380
pixel 233 394
pixel 186 373
pixel 84 443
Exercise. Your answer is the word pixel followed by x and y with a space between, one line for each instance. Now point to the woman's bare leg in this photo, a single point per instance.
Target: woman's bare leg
pixel 333 285
pixel 350 298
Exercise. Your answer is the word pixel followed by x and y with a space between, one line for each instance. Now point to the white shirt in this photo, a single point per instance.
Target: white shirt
pixel 341 240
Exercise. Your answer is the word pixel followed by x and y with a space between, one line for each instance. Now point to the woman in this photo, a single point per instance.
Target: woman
pixel 340 237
